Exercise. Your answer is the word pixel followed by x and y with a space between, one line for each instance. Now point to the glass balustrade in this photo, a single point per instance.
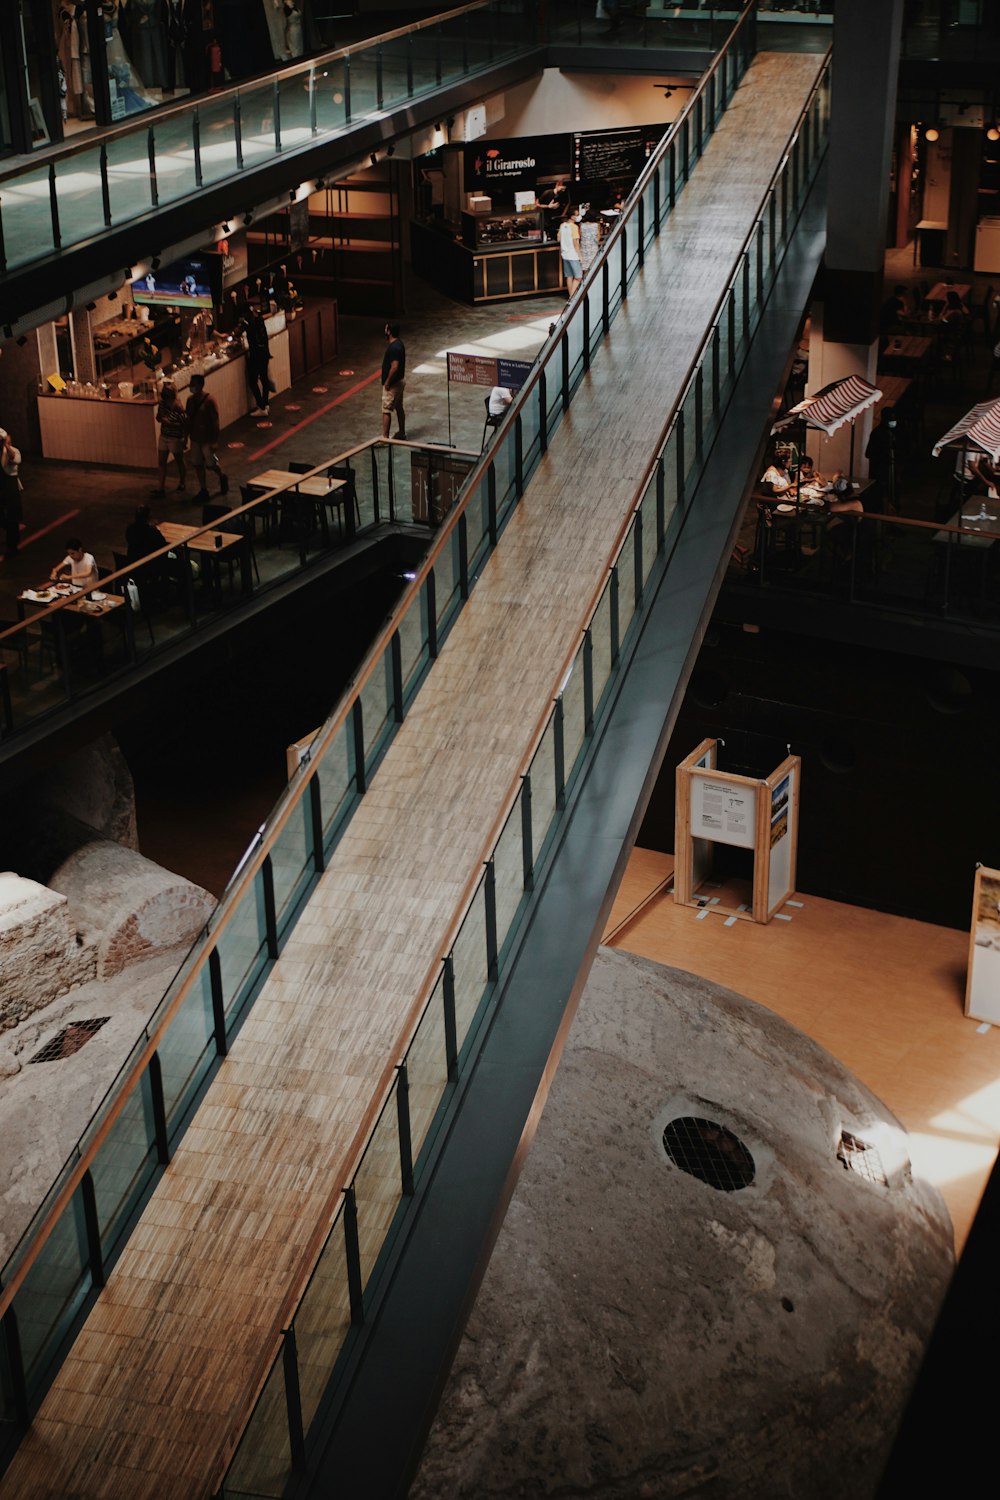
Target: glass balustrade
pixel 51 1271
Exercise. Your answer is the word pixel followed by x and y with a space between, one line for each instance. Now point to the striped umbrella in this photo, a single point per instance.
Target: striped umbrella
pixel 837 403
pixel 979 429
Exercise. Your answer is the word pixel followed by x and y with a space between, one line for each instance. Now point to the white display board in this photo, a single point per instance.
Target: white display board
pixel 779 868
pixel 982 990
pixel 724 812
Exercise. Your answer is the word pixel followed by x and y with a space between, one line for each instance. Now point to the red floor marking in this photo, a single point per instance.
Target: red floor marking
pixel 337 401
pixel 44 531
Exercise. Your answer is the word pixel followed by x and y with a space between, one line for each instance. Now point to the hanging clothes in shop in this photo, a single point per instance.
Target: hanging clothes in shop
pixel 197 20
pixel 70 34
pixel 244 37
pixel 148 42
pixel 127 94
pixel 175 27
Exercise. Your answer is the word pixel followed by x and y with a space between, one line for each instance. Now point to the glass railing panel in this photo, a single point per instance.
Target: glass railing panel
pixel 128 176
pixel 260 123
pixel 553 395
pixel 218 141
pixel 649 212
pixel 600 636
pixel 508 873
pixel 446 581
pixel 469 959
pixel 424 46
pixel 125 1164
pixel 186 1049
pixel 413 643
pixel 614 279
pixel 595 298
pixel 328 95
pixel 573 715
pixel 427 1069
pixel 242 945
pixel 574 339
pixel 543 789
pixel 689 410
pixel 452 32
pixel 27 220
pixel 378 1187
pixel 322 1321
pixel 376 708
pixel 477 525
pixel 395 72
pixel 502 455
pixel 337 778
pixel 292 862
pixel 295 109
pixel 530 426
pixel 649 542
pixel 363 83
pixel 262 1465
pixel 626 583
pixel 52 1290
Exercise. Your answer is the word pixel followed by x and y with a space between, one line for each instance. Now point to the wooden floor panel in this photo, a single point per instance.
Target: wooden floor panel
pixel 284 1112
pixel 883 994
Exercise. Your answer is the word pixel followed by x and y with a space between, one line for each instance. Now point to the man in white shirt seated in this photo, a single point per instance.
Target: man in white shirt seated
pixel 79 566
pixel 500 399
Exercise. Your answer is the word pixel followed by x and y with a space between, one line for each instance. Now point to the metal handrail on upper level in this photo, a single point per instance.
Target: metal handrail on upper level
pixel 109 178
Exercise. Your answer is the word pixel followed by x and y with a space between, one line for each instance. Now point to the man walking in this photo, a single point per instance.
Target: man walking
pixel 203 428
pixel 393 381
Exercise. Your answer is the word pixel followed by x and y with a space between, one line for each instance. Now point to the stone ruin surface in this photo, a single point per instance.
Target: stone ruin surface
pixel 640 1334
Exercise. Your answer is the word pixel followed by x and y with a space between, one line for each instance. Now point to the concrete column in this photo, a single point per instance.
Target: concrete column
pixel 83 345
pixel 866 40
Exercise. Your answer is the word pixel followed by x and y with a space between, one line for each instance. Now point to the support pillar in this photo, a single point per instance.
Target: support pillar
pixel 866 42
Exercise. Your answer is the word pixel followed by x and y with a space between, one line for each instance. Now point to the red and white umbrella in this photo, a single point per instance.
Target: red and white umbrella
pixel 841 401
pixel 979 430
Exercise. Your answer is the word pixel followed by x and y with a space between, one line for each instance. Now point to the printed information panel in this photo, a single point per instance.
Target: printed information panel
pixel 723 811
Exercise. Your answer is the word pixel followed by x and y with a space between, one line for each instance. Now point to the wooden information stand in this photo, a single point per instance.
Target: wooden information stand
pixel 982 986
pixel 716 808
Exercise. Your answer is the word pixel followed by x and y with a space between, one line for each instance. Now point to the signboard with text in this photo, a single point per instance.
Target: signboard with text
pixel 476 369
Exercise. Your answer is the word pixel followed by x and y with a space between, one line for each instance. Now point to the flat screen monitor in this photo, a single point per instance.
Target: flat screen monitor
pixel 523 201
pixel 190 282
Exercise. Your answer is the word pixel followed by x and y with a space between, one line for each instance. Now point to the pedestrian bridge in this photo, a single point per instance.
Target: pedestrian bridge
pixel 250 1176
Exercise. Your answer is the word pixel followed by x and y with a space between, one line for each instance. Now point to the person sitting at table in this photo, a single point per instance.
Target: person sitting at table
pixel 141 536
pixel 78 566
pixel 776 479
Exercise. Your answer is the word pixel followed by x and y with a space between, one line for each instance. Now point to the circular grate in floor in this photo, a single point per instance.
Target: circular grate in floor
pixel 708 1151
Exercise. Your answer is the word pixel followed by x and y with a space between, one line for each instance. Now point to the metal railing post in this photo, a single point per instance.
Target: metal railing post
pixel 403 1126
pixel 155 1073
pixel 357 725
pixel 448 1009
pixel 316 823
pixel 527 847
pixel 490 916
pixel 352 1253
pixel 293 1398
pixel 218 1003
pixel 270 911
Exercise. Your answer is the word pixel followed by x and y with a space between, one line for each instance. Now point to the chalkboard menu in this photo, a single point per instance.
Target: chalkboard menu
pixel 614 155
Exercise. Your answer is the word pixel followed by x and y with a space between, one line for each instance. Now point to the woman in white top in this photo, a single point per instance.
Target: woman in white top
pixel 79 566
pixel 569 249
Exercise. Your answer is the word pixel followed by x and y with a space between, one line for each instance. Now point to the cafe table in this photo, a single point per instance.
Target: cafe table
pixel 328 491
pixel 211 545
pixel 939 291
pixel 52 627
pixel 907 347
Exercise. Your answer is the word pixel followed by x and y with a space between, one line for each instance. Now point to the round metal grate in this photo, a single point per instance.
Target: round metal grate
pixel 708 1151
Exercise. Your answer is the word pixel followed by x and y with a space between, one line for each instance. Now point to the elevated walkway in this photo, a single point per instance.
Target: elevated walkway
pixel 156 1390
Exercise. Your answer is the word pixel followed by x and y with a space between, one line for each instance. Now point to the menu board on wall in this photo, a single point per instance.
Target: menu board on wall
pixel 613 155
pixel 723 811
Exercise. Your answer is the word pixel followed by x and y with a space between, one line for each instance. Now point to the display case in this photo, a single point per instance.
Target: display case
pixel 480 231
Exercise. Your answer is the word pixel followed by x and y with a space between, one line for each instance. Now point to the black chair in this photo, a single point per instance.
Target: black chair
pixel 491 421
pixel 211 515
pixel 349 494
pixel 265 511
pixel 295 467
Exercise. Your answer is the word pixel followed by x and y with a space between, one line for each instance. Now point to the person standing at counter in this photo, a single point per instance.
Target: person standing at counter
pixel 569 249
pixel 590 239
pixel 173 435
pixel 393 381
pixel 258 358
pixel 203 424
pixel 78 566
pixel 11 509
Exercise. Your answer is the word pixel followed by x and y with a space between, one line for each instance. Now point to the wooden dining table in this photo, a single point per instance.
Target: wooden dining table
pixel 316 486
pixel 211 544
pixel 939 291
pixel 908 346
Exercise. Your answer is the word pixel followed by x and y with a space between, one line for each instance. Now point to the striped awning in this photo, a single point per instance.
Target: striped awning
pixel 978 431
pixel 831 407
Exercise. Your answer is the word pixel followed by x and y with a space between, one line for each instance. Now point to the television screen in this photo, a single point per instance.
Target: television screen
pixel 190 282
